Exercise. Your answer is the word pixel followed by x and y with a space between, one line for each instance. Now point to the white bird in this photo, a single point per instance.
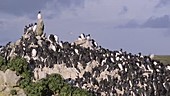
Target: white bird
pixel 61 44
pixel 56 39
pixel 53 47
pixel 53 38
pixel 94 43
pixel 117 58
pixel 103 61
pixel 168 67
pixel 49 38
pixel 155 63
pixel 79 38
pixel 39 16
pixel 88 37
pixel 30 27
pixel 1 47
pixel 34 52
pixel 112 59
pixel 152 56
pixel 76 51
pixel 34 27
pixel 82 36
pixel 120 66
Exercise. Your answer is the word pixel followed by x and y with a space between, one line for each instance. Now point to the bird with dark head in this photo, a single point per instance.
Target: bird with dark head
pixel 39 16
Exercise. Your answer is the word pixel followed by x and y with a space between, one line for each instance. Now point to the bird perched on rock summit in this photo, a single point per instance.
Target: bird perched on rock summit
pixel 40 25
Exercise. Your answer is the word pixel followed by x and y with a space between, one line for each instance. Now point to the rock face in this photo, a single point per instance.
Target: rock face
pixel 8 81
pixel 11 78
pixel 2 84
pixel 40 27
pixel 85 65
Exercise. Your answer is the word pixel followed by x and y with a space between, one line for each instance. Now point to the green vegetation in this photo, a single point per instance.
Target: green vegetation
pixel 13 92
pixel 53 84
pixel 3 65
pixel 165 59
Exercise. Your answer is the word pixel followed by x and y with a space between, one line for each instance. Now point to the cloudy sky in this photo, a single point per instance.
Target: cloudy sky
pixel 134 25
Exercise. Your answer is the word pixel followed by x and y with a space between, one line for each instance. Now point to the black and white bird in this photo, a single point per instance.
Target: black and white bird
pixel 56 39
pixel 79 38
pixel 88 37
pixel 34 52
pixel 25 29
pixel 82 36
pixel 30 27
pixel 151 56
pixel 76 51
pixel 94 43
pixel 39 16
pixel 34 27
pixel 1 47
pixel 61 44
pixel 53 38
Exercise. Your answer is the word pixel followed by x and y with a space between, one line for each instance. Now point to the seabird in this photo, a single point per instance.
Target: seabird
pixel 76 51
pixel 52 47
pixel 94 43
pixel 152 56
pixel 56 39
pixel 79 38
pixel 82 36
pixel 25 29
pixel 39 16
pixel 61 44
pixel 88 37
pixel 51 38
pixel 1 47
pixel 30 27
pixel 34 52
pixel 34 27
pixel 168 67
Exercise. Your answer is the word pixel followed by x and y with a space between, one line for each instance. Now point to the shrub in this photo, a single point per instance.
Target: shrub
pixel 3 65
pixel 66 90
pixel 13 92
pixel 53 84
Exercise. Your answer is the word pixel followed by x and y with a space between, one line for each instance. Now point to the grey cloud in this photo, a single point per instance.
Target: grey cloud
pixel 130 24
pixel 21 7
pixel 30 7
pixel 166 33
pixel 1 23
pixel 56 7
pixel 159 22
pixel 123 10
pixel 69 3
pixel 162 3
pixel 152 22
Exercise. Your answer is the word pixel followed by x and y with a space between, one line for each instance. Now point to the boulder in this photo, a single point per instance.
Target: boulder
pixel 11 78
pixel 2 87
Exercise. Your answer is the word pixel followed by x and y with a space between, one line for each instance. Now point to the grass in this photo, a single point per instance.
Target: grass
pixel 165 59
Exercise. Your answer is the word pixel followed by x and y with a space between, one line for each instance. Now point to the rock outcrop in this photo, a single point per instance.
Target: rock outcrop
pixel 11 78
pixel 96 69
pixel 8 82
